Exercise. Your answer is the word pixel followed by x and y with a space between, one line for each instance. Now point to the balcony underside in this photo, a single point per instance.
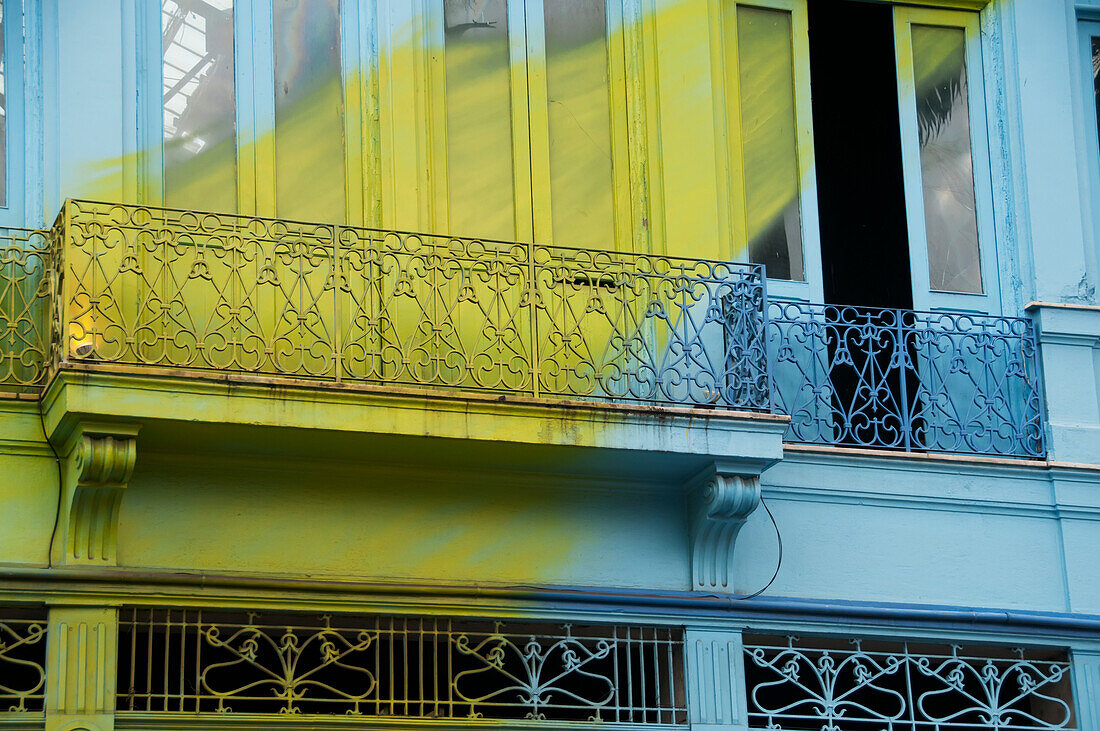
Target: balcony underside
pixel 180 412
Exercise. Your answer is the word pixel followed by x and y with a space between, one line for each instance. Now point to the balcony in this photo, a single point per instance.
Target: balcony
pixel 159 288
pixel 218 333
pixel 182 294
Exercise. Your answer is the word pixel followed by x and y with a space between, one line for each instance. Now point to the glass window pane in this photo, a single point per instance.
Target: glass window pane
pixel 580 123
pixel 768 141
pixel 3 118
pixel 479 119
pixel 309 111
pixel 947 171
pixel 200 149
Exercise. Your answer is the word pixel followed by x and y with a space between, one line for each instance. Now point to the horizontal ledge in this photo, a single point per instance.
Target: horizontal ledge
pixel 213 720
pixel 942 457
pixel 422 392
pixel 151 588
pixel 221 414
pixel 1034 305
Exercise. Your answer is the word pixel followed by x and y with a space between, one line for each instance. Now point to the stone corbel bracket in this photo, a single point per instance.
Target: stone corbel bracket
pixel 721 500
pixel 97 464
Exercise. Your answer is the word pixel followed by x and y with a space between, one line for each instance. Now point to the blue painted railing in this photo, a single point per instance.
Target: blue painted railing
pixel 900 379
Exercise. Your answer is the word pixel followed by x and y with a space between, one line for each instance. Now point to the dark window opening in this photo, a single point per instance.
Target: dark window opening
pixel 864 234
pixel 857 146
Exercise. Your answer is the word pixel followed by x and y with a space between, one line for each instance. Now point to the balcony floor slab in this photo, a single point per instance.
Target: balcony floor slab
pixel 223 413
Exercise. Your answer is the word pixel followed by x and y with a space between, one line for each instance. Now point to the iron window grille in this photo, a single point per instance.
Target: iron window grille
pixel 22 660
pixel 858 685
pixel 212 662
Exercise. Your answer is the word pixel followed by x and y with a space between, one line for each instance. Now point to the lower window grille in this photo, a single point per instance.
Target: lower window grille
pixel 195 661
pixel 22 660
pixel 865 685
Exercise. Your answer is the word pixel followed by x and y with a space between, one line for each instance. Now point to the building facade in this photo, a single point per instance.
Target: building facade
pixel 712 364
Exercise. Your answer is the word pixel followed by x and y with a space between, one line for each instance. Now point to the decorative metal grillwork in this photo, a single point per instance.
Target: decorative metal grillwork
pixel 861 684
pixel 918 381
pixel 22 660
pixel 181 289
pixel 24 307
pixel 205 662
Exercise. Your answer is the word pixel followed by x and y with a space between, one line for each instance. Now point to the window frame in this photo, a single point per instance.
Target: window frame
pixel 1088 27
pixel 924 297
pixel 733 223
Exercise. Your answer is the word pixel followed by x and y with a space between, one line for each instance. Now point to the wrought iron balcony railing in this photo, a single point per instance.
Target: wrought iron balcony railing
pixel 193 292
pixel 25 268
pixel 899 379
pixel 141 286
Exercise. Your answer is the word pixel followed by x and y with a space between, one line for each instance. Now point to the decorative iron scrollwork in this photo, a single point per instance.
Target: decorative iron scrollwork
pixel 22 663
pixel 536 672
pixel 24 309
pixel 292 666
pixel 417 668
pixel 822 684
pixel 180 289
pixel 900 379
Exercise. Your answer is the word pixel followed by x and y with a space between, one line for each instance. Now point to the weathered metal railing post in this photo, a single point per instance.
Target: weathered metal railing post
pixel 532 306
pixel 769 383
pixel 63 285
pixel 903 386
pixel 337 273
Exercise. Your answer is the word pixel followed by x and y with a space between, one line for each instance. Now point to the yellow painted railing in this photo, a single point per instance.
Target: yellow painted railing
pixel 24 308
pixel 151 287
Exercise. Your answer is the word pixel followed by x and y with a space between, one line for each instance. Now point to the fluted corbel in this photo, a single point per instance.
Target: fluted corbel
pixel 720 505
pixel 97 466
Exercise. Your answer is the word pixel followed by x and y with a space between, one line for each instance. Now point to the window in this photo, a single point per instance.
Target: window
pixel 3 117
pixel 759 56
pixel 309 110
pixel 535 134
pixel 902 160
pixel 15 138
pixel 947 165
pixel 1090 90
pixel 199 92
pixel 255 107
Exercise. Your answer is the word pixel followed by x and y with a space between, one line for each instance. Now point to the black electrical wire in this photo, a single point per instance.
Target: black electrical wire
pixel 60 487
pixel 779 539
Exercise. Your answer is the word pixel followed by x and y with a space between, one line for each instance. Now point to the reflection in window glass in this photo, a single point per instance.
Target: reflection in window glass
pixel 309 111
pixel 769 145
pixel 200 157
pixel 580 123
pixel 3 118
pixel 947 171
pixel 479 119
